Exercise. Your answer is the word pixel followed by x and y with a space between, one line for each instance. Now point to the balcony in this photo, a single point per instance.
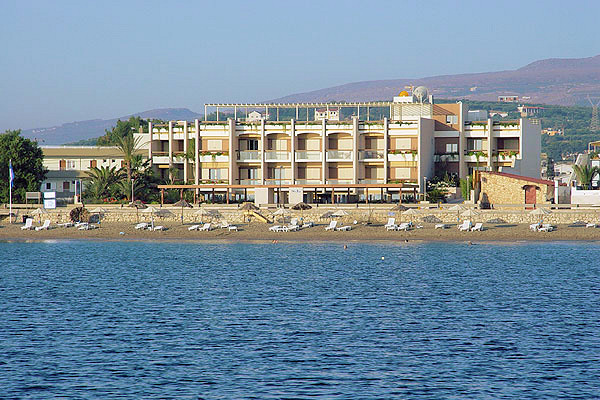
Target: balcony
pixel 248 155
pixel 308 181
pixel 403 155
pixel 309 155
pixel 476 156
pixel 371 181
pixel 272 181
pixel 277 155
pixel 339 155
pixel 339 181
pixel 250 182
pixel 371 155
pixel 446 157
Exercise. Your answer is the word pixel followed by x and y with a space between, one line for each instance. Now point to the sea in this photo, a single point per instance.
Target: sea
pixel 169 320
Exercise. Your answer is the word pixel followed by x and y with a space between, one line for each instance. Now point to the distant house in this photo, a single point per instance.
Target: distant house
pixel 502 114
pixel 508 99
pixel 552 132
pixel 331 114
pixel 503 188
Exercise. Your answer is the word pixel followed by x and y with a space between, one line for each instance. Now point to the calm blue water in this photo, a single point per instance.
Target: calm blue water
pixel 231 321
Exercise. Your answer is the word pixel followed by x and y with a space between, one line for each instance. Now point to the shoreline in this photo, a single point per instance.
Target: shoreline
pixel 259 233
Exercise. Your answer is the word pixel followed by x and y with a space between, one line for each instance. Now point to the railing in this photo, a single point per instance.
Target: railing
pixel 248 155
pixel 449 157
pixel 250 181
pixel 277 155
pixel 213 181
pixel 371 154
pixel 371 181
pixel 308 181
pixel 311 155
pixel 339 181
pixel 339 155
pixel 283 181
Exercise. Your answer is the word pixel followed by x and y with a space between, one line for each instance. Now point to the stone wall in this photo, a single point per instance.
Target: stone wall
pixel 500 189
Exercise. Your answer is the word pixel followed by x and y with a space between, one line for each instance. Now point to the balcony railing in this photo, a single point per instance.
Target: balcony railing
pixel 371 181
pixel 371 155
pixel 250 181
pixel 339 155
pixel 275 181
pixel 446 157
pixel 277 155
pixel 308 181
pixel 339 181
pixel 309 155
pixel 248 155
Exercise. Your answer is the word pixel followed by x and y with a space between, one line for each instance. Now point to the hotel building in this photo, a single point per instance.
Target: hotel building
pixel 336 151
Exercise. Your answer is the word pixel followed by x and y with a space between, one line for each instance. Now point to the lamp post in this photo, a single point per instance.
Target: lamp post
pixel 132 184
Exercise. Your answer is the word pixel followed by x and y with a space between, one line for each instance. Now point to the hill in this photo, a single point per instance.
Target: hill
pixel 551 81
pixel 82 131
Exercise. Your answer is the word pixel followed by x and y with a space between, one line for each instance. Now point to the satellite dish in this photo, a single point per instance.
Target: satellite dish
pixel 421 93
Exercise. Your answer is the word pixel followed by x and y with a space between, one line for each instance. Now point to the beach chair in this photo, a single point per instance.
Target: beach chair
pixel 87 227
pixel 478 227
pixel 293 226
pixel 440 226
pixel 65 224
pixel 405 226
pixel 309 224
pixel 232 228
pixel 535 227
pixel 194 228
pixel 160 228
pixel 206 227
pixel 546 228
pixel 275 228
pixel 591 225
pixel 46 226
pixel 391 224
pixel 344 228
pixel 465 226
pixel 28 224
pixel 332 226
pixel 141 225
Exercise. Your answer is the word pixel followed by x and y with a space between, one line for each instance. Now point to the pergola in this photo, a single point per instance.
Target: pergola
pixel 333 188
pixel 297 106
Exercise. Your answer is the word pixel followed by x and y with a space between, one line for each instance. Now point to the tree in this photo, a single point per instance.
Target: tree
pixel 122 129
pixel 27 161
pixel 102 182
pixel 585 174
pixel 129 146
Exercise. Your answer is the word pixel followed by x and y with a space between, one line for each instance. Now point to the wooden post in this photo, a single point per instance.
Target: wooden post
pixel 382 195
pixel 227 195
pixel 162 197
pixel 245 194
pixel 181 194
pixel 367 195
pixel 195 197
pixel 213 195
pixel 332 195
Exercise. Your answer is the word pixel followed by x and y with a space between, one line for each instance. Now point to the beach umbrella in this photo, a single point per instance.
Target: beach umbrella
pixel 301 206
pixel 458 208
pixel 150 210
pixel 39 211
pixel 183 204
pixel 339 214
pixel 280 212
pixel 164 213
pixel 411 212
pixel 137 204
pixel 399 207
pixel 328 214
pixel 469 214
pixel 540 212
pixel 247 206
pixel 100 211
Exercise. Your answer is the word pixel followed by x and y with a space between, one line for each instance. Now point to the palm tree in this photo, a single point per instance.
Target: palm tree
pixel 129 146
pixel 585 174
pixel 102 181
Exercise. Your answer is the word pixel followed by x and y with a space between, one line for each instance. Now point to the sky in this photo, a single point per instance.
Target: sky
pixel 65 61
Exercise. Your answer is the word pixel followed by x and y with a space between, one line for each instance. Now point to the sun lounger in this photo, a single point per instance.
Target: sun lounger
pixel 28 224
pixel 440 226
pixel 546 228
pixel 405 226
pixel 206 227
pixel 478 227
pixel 308 225
pixel 465 226
pixel 275 228
pixel 86 227
pixel 65 225
pixel 141 225
pixel 46 226
pixel 332 226
pixel 159 228
pixel 344 228
pixel 232 228
pixel 391 224
pixel 591 225
pixel 535 227
pixel 194 228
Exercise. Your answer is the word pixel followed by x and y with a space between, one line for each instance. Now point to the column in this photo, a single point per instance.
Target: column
pixel 170 143
pixel 263 171
pixel 324 151
pixel 196 156
pixel 355 141
pixel 490 131
pixel 293 150
pixel 150 142
pixel 230 175
pixel 386 145
pixel 185 149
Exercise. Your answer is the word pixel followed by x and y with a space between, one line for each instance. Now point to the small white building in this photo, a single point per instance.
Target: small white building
pixel 254 116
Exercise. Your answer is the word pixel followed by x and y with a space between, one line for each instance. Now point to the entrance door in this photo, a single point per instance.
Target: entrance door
pixel 530 194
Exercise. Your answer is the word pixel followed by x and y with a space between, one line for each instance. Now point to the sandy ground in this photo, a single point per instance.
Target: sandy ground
pixel 260 232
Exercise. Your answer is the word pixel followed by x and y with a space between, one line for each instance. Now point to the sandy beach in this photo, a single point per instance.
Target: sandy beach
pixel 260 232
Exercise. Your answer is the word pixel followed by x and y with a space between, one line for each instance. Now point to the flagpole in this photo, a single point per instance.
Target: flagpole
pixel 10 183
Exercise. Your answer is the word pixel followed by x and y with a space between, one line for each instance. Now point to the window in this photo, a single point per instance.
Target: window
pixel 66 186
pixel 402 173
pixel 70 164
pixel 452 119
pixel 403 144
pixel 252 173
pixel 252 144
pixel 451 147
pixel 48 186
pixel 214 173
pixel 93 163
pixel 214 145
pixel 475 144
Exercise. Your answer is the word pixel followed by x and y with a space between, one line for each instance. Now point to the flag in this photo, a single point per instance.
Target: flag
pixel 11 174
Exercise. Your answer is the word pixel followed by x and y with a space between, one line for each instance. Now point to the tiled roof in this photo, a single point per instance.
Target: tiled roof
pixel 523 178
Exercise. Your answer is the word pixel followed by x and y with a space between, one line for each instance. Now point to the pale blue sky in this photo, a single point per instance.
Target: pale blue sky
pixel 65 61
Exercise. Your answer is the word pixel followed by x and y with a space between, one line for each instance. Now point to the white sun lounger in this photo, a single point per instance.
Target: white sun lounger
pixel 391 224
pixel 546 228
pixel 205 228
pixel 28 224
pixel 591 225
pixel 194 228
pixel 344 228
pixel 478 227
pixel 46 226
pixel 159 228
pixel 65 224
pixel 535 227
pixel 465 226
pixel 142 225
pixel 332 226
pixel 440 226
pixel 308 225
pixel 405 226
